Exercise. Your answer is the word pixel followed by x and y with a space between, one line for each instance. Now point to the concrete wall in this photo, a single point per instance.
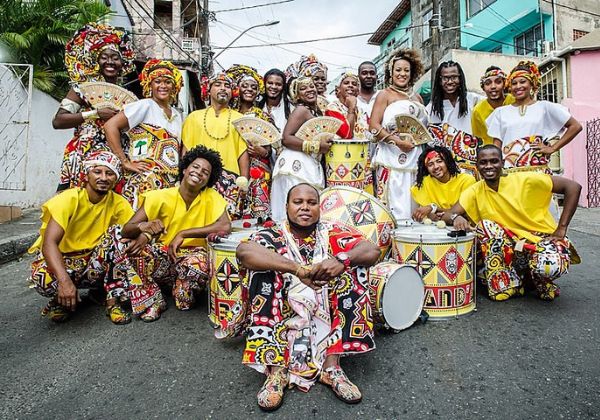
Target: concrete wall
pixel 584 106
pixel 568 19
pixel 44 155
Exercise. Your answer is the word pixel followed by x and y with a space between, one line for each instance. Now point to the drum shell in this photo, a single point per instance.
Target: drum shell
pixel 360 213
pixel 447 266
pixel 228 287
pixel 346 163
pixel 379 276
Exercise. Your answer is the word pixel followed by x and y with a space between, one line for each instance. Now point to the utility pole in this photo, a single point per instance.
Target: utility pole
pixel 434 27
pixel 205 52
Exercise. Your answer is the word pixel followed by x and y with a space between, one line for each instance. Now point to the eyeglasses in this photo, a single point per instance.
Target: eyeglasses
pixel 454 78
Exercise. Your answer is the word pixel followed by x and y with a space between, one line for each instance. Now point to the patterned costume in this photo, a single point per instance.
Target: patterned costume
pixel 308 66
pixel 81 60
pixel 258 197
pixel 512 226
pixel 293 326
pixel 153 137
pixel 462 145
pixel 153 268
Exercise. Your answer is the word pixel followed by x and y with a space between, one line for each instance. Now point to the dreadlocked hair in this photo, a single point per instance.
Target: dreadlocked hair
pixel 410 55
pixel 284 92
pixel 202 152
pixel 422 171
pixel 437 94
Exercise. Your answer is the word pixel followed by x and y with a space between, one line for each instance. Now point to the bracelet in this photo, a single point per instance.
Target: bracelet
pixel 90 115
pixel 434 207
pixel 311 147
pixel 375 132
pixel 147 235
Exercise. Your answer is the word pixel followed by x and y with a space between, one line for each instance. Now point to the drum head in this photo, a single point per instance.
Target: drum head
pixel 402 300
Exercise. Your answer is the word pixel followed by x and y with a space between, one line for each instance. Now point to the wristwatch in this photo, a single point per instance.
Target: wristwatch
pixel 453 216
pixel 434 208
pixel 344 259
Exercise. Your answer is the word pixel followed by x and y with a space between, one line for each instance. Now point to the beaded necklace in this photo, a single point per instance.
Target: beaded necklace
pixel 228 125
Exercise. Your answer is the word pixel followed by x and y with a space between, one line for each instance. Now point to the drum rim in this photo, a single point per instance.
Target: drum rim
pixel 228 244
pixel 361 193
pixel 431 238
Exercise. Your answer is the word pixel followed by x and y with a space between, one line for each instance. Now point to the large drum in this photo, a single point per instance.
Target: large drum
pixel 397 293
pixel 359 212
pixel 228 291
pixel 347 163
pixel 446 264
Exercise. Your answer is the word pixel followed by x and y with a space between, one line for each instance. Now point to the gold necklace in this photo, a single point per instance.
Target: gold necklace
pixel 228 125
pixel 400 90
pixel 523 109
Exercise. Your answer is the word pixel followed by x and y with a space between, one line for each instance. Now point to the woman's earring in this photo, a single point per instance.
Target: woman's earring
pixel 531 93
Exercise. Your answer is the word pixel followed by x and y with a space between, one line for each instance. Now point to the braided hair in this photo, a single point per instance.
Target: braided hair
pixel 444 152
pixel 437 94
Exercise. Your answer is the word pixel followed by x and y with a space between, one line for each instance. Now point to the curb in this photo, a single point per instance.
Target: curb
pixel 17 245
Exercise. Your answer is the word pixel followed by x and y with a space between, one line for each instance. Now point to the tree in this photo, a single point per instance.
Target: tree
pixel 36 32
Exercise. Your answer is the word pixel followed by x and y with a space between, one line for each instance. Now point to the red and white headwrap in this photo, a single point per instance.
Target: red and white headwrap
pixel 432 155
pixel 492 73
pixel 527 69
pixel 103 158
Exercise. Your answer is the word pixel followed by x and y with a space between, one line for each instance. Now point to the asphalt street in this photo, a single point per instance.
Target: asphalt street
pixel 519 359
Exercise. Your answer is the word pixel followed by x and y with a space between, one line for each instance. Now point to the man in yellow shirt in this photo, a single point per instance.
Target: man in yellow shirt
pixel 492 83
pixel 518 239
pixel 75 240
pixel 168 235
pixel 439 183
pixel 213 128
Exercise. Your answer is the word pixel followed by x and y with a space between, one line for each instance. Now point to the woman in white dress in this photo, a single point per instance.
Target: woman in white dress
pixel 299 161
pixel 524 129
pixel 396 156
pixel 151 159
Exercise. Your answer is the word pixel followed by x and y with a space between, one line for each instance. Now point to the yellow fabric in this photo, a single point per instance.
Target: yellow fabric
pixel 168 206
pixel 231 147
pixel 521 204
pixel 444 195
pixel 480 113
pixel 83 222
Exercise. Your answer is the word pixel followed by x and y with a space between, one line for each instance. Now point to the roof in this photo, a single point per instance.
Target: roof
pixel 590 41
pixel 390 23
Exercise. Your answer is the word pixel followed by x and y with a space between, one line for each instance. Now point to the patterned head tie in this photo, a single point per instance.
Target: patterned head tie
pixel 347 75
pixel 307 66
pixel 296 84
pixel 527 69
pixel 82 51
pixel 222 77
pixel 490 74
pixel 160 68
pixel 240 72
pixel 432 155
pixel 103 158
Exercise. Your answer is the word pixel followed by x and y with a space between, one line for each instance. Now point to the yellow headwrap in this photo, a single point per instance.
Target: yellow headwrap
pixel 160 68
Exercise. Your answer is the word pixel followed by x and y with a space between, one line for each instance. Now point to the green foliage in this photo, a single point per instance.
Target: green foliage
pixel 36 32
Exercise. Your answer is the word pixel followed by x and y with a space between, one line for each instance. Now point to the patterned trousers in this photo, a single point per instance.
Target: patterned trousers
pixel 92 269
pixel 505 270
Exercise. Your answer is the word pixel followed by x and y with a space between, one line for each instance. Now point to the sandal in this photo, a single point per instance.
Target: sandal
pixel 507 294
pixel 118 315
pixel 270 396
pixel 341 386
pixel 153 313
pixel 56 312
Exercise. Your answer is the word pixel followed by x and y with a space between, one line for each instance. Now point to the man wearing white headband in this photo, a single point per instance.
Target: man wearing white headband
pixel 74 242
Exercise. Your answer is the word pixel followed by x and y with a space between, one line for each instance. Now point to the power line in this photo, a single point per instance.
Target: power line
pixel 252 7
pixel 571 8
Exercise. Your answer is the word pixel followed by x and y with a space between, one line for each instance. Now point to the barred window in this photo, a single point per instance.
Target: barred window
pixel 529 41
pixel 476 6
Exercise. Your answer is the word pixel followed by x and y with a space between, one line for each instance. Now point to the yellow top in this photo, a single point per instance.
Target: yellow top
pixel 168 206
pixel 443 195
pixel 83 222
pixel 480 113
pixel 222 138
pixel 521 204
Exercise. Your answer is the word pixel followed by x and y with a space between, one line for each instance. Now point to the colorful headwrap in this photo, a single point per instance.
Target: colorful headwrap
pixel 492 73
pixel 160 68
pixel 82 51
pixel 295 86
pixel 527 69
pixel 240 72
pixel 206 83
pixel 307 66
pixel 431 155
pixel 347 75
pixel 103 158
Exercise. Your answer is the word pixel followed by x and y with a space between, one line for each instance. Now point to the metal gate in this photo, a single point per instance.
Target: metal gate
pixel 15 108
pixel 593 161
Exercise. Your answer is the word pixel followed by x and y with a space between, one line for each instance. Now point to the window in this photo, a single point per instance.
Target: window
pixel 391 43
pixel 497 49
pixel 529 41
pixel 163 14
pixel 425 31
pixel 577 33
pixel 476 6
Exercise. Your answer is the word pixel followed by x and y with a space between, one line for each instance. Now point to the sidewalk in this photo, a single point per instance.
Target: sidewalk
pixel 17 236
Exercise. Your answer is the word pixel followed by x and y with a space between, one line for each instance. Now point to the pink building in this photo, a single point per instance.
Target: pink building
pixel 571 77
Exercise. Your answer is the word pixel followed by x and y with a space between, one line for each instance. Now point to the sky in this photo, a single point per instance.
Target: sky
pixel 299 20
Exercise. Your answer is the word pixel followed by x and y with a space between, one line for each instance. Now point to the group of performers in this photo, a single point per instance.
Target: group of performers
pixel 143 192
